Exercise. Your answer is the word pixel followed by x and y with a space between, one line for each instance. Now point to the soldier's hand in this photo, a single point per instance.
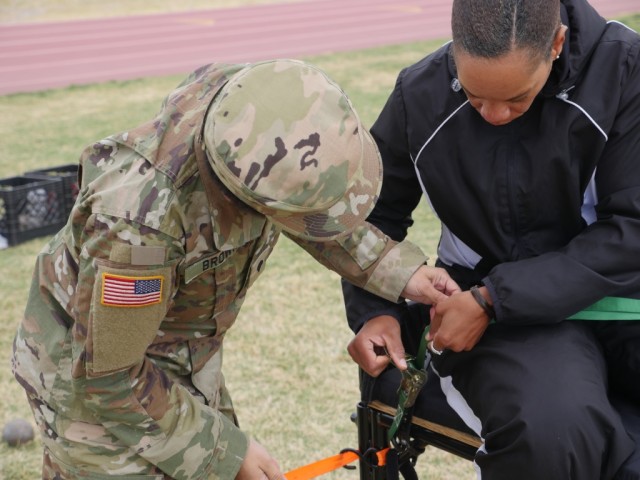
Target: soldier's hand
pixel 259 465
pixel 377 343
pixel 429 285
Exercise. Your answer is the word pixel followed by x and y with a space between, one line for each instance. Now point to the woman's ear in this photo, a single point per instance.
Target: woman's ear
pixel 558 41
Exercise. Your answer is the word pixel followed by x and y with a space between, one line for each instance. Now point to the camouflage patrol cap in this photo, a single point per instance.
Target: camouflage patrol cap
pixel 286 140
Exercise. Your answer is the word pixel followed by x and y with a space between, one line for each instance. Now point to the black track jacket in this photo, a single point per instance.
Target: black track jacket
pixel 545 211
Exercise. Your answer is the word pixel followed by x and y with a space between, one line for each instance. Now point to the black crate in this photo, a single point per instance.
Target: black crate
pixel 69 176
pixel 30 208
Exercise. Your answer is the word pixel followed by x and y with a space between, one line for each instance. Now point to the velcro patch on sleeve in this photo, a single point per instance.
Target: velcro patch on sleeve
pixel 130 291
pixel 128 306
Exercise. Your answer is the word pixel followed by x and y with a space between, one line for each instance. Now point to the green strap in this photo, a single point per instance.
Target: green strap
pixel 422 349
pixel 611 308
pixel 413 379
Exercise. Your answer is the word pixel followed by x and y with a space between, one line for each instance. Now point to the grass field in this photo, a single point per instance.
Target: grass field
pixel 294 386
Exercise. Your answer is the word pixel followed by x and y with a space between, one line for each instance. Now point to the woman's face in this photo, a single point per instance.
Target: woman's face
pixel 502 89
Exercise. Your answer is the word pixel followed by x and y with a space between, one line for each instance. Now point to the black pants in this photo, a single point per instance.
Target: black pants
pixel 541 398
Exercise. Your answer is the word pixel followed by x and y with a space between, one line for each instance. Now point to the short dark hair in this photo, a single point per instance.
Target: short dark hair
pixel 492 28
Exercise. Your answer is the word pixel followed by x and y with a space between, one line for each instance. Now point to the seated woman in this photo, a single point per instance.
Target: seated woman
pixel 522 134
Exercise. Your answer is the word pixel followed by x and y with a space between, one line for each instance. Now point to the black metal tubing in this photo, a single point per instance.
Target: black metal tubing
pixel 373 426
pixel 372 434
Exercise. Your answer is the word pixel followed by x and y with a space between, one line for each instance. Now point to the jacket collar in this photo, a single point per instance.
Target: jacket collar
pixel 585 27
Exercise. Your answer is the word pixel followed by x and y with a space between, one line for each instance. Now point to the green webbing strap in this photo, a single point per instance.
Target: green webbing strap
pixel 422 349
pixel 611 308
pixel 413 379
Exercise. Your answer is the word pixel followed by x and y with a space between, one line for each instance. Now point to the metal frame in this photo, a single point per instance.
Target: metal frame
pixel 373 420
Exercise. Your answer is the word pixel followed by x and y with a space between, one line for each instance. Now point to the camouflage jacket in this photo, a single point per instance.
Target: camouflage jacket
pixel 131 300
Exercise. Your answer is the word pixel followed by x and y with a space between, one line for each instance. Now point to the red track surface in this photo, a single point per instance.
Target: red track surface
pixel 40 56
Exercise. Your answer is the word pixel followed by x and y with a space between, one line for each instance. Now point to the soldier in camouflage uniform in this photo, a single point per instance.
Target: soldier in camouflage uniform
pixel 120 350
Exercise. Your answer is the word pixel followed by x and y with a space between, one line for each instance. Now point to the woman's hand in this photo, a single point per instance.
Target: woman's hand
pixel 377 343
pixel 457 323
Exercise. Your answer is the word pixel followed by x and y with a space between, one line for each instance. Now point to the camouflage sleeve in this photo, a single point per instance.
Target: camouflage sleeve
pixel 369 259
pixel 118 381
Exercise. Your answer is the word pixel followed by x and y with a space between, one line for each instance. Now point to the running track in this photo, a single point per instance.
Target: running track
pixel 41 56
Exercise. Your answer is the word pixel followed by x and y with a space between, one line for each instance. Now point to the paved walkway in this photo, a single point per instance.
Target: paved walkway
pixel 40 56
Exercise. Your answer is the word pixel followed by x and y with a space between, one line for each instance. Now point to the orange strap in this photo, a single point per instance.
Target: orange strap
pixel 329 464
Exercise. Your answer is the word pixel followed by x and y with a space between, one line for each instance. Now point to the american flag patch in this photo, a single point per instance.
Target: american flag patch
pixel 121 291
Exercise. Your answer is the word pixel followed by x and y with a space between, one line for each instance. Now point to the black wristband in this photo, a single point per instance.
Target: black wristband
pixel 488 309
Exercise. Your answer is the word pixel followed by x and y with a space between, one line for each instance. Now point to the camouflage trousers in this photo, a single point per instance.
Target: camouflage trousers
pixel 54 469
pixel 89 451
pixel 97 456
